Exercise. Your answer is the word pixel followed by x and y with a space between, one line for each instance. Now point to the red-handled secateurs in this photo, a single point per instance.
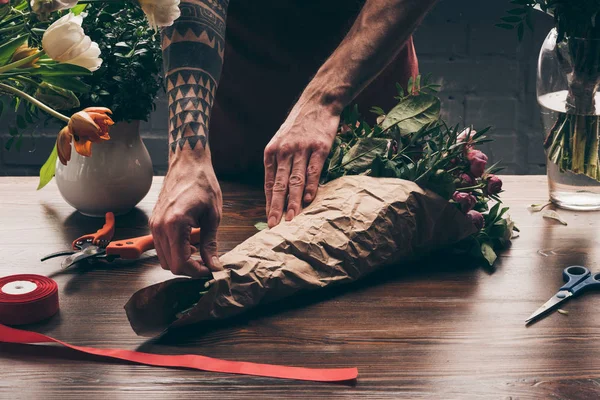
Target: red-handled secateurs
pixel 99 245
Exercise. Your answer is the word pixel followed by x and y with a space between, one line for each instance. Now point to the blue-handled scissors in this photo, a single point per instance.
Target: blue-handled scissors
pixel 579 279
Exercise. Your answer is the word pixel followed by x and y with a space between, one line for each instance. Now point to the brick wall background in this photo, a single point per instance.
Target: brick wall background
pixel 488 78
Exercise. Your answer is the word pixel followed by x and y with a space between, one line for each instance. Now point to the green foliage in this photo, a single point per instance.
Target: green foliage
pixel 411 142
pixel 129 78
pixel 48 169
pixel 50 81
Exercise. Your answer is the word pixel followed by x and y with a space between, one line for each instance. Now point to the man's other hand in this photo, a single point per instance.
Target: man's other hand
pixel 294 159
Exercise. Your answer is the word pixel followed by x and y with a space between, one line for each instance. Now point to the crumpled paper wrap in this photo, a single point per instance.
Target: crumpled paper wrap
pixel 356 225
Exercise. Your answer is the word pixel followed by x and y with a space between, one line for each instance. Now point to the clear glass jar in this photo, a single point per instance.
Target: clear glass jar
pixel 568 77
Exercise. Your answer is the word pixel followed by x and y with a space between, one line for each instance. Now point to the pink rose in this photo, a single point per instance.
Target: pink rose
pixel 494 185
pixel 465 180
pixel 465 200
pixel 2 2
pixel 478 161
pixel 476 218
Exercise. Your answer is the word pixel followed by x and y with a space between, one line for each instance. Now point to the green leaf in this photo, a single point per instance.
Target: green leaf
pixel 47 170
pixel 78 9
pixel 505 26
pixel 46 70
pixel 361 155
pixel 492 215
pixel 261 226
pixel 413 113
pixel 8 48
pixel 441 183
pixel 377 110
pixel 488 253
pixel 68 83
pixel 56 97
pixel 1 107
pixel 13 131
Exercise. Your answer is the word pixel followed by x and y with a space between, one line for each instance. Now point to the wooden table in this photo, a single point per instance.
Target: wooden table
pixel 434 331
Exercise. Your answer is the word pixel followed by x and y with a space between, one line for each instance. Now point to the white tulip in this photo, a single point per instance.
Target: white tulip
pixel 160 12
pixel 66 42
pixel 45 7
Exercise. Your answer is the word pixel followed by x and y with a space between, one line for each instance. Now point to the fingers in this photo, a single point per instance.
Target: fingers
pixel 280 185
pixel 296 185
pixel 208 241
pixel 313 174
pixel 161 243
pixel 270 170
pixel 180 261
pixel 172 243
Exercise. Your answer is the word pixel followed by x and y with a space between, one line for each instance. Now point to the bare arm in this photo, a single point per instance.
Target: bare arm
pixel 191 197
pixel 295 156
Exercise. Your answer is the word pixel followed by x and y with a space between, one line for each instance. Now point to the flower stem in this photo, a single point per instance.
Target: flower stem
pixel 23 61
pixel 11 90
pixel 22 78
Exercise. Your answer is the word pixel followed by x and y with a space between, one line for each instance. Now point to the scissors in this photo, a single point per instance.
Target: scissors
pixel 100 246
pixel 579 279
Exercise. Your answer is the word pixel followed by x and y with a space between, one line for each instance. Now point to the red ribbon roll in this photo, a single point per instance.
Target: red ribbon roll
pixel 25 299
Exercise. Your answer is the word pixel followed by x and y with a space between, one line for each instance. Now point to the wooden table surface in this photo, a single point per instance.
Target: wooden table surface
pixel 431 331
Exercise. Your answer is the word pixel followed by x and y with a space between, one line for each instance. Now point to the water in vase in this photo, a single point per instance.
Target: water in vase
pixel 579 190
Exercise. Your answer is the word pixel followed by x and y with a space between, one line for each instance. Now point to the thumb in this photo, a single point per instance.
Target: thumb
pixel 208 242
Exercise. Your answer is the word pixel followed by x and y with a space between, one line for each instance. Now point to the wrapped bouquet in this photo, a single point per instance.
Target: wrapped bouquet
pixel 407 186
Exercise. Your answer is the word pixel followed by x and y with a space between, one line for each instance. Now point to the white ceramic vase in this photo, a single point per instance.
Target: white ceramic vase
pixel 115 178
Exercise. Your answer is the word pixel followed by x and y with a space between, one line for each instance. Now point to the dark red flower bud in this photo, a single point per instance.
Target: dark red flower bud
pixel 476 218
pixel 494 185
pixel 465 200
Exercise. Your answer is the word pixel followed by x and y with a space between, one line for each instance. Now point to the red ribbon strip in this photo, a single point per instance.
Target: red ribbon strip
pixel 12 335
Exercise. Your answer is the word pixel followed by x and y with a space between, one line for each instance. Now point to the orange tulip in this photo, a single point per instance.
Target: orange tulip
pixel 63 145
pixel 92 123
pixel 85 127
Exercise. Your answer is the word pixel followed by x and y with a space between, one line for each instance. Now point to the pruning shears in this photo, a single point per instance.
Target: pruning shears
pixel 100 246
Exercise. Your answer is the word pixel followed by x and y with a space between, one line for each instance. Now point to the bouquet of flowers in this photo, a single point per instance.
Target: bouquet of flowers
pixel 44 52
pixel 572 142
pixel 407 186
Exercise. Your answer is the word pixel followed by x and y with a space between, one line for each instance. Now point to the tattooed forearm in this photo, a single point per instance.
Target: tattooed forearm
pixel 193 50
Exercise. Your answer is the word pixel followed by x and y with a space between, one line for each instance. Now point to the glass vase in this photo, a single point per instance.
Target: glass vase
pixel 568 77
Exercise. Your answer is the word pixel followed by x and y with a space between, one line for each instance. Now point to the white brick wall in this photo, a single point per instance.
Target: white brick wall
pixel 488 78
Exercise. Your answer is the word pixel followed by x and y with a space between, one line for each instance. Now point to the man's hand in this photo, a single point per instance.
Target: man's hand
pixel 190 198
pixel 294 159
pixel 297 152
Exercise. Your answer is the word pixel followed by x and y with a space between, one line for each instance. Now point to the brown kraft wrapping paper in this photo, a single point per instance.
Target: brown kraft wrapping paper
pixel 355 225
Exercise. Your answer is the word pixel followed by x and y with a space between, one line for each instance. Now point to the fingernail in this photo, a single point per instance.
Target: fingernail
pixel 290 215
pixel 208 284
pixel 272 221
pixel 216 262
pixel 307 198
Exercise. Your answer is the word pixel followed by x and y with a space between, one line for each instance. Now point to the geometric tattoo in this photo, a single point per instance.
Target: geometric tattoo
pixel 193 49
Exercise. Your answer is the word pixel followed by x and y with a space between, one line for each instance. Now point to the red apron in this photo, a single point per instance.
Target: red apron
pixel 273 49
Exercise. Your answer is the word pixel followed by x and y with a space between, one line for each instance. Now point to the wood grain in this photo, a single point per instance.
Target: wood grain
pixel 434 329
